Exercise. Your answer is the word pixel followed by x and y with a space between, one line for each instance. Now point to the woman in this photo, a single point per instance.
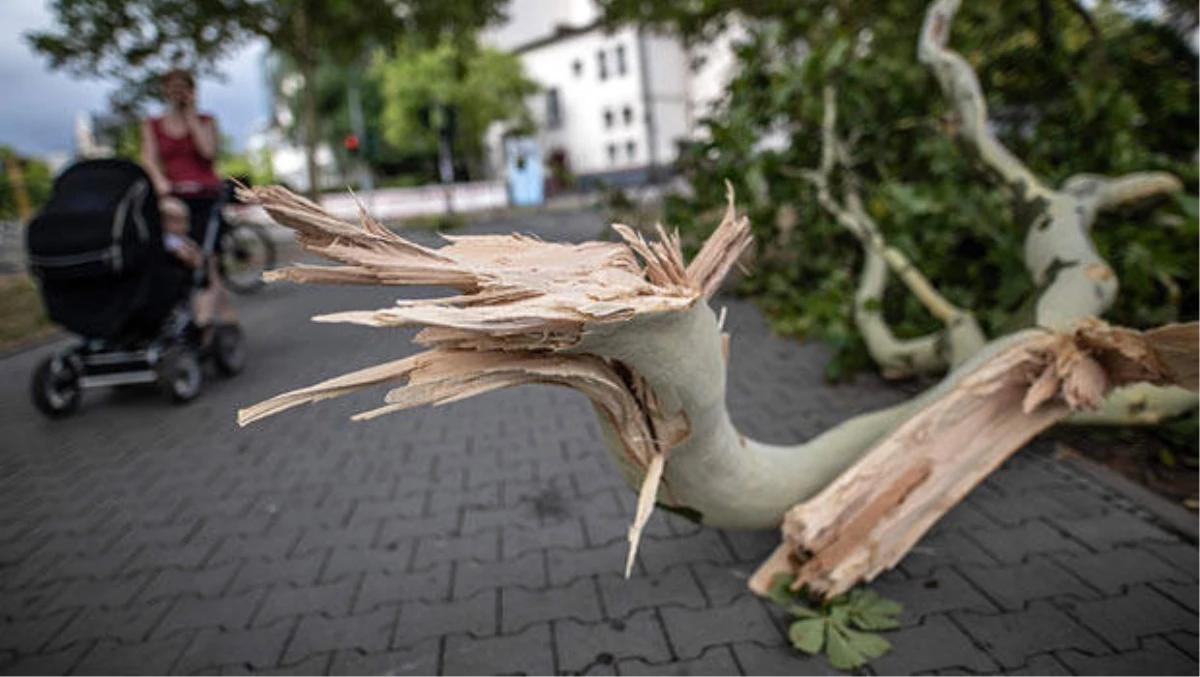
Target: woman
pixel 179 149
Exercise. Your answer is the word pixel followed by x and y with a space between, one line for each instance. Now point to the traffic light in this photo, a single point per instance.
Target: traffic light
pixel 351 143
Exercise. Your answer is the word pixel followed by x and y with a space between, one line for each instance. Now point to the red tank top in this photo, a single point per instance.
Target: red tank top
pixel 190 174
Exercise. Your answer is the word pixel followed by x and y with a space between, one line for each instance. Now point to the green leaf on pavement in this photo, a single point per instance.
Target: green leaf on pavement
pixel 808 635
pixel 842 654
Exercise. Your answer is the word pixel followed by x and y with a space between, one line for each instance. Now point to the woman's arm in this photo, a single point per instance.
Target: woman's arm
pixel 150 161
pixel 204 133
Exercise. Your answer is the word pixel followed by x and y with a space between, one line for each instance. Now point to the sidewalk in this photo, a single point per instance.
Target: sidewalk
pixel 489 536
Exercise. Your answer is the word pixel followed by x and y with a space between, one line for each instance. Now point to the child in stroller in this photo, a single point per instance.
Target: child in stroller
pixel 115 267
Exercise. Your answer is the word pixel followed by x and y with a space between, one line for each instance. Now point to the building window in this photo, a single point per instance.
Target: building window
pixel 577 67
pixel 612 153
pixel 602 64
pixel 630 150
pixel 627 115
pixel 620 59
pixel 553 110
pixel 608 119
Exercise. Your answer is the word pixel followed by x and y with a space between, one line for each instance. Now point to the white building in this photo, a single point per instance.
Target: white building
pixel 613 106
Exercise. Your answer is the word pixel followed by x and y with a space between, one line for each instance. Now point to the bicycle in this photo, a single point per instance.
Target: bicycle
pixel 246 249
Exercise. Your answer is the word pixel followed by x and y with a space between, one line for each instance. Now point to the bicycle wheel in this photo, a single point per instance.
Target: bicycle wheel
pixel 246 252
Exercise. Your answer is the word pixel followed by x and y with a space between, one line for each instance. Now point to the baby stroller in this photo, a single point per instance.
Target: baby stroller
pixel 97 252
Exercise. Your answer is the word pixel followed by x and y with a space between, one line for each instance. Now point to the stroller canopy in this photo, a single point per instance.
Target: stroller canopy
pixel 96 250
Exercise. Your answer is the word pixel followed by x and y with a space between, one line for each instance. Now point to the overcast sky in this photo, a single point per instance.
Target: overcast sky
pixel 38 107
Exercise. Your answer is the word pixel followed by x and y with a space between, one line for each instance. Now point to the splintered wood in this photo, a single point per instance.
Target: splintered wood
pixel 520 302
pixel 867 519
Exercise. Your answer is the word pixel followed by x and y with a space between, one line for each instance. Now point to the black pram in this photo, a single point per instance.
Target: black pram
pixel 96 250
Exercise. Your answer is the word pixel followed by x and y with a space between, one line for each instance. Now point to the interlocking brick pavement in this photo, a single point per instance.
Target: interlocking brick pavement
pixel 488 536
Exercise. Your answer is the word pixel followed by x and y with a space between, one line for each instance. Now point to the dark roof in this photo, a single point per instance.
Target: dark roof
pixel 561 32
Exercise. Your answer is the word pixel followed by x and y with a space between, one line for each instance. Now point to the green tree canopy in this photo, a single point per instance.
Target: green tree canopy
pixel 134 41
pixel 485 85
pixel 1108 91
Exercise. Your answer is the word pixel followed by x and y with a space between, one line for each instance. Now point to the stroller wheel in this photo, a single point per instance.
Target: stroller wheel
pixel 229 349
pixel 56 391
pixel 179 373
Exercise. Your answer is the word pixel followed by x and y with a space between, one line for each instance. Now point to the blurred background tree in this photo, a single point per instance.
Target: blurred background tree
pixel 24 184
pixel 132 42
pixel 1111 89
pixel 481 84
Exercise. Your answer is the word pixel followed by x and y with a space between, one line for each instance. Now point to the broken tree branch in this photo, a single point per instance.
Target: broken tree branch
pixel 896 358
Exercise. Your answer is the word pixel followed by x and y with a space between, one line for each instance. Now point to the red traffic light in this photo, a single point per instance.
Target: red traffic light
pixel 351 142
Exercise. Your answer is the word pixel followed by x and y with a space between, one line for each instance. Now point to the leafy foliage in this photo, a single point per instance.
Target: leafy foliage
pixel 484 84
pixel 844 628
pixel 34 173
pixel 1067 95
pixel 132 42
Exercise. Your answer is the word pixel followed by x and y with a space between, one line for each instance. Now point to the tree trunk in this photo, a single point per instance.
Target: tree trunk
pixel 308 69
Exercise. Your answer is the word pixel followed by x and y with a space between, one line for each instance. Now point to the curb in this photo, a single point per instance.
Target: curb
pixel 1166 513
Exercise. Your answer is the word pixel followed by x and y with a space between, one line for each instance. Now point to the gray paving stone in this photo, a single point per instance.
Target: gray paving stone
pixel 113 592
pixel 778 659
pixel 357 536
pixel 32 635
pixel 1156 657
pixel 147 658
pixel 752 546
pixel 368 513
pixel 317 664
pixel 1123 620
pixel 1182 593
pixel 1184 557
pixel 935 644
pixel 693 630
pixel 228 613
pixel 49 663
pixel 660 554
pixel 520 607
pixel 131 624
pixel 1010 638
pixel 286 600
pixel 717 660
pixel 422 620
pixel 1013 545
pixel 1015 585
pixel 674 586
pixel 723 583
pixel 584 645
pixel 1113 529
pixel 350 562
pixel 568 565
pixel 944 590
pixel 171 582
pixel 522 653
pixel 276 546
pixel 260 573
pixel 528 572
pixel 1113 570
pixel 23 603
pixel 419 660
pixel 316 634
pixel 518 541
pixel 936 551
pixel 378 589
pixel 440 550
pixel 1185 642
pixel 1012 511
pixel 1039 666
pixel 259 648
